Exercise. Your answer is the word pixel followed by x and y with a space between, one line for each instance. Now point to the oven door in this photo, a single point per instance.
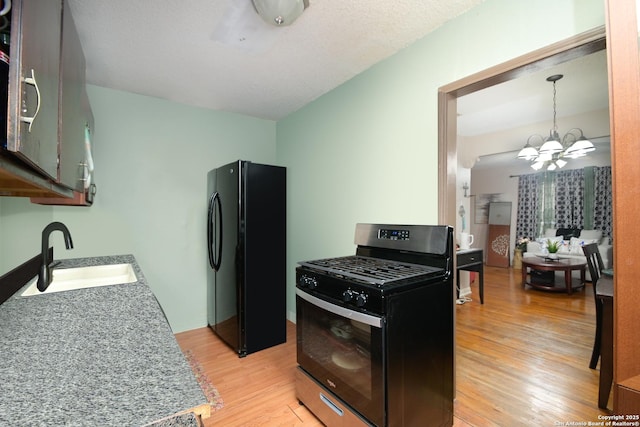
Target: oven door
pixel 343 350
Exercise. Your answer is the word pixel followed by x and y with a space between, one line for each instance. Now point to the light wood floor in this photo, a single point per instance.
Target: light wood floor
pixel 521 359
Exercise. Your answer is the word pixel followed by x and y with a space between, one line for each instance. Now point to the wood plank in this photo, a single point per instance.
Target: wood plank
pixel 522 358
pixel 624 110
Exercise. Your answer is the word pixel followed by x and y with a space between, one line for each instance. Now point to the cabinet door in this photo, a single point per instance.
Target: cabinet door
pixel 34 76
pixel 74 115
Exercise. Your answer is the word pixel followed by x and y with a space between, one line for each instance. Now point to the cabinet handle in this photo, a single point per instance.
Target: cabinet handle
pixel 84 168
pixel 32 81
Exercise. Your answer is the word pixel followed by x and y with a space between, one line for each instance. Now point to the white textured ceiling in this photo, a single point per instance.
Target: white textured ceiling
pixel 529 99
pixel 219 54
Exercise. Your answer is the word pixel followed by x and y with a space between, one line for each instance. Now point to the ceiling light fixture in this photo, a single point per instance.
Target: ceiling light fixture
pixel 553 149
pixel 280 12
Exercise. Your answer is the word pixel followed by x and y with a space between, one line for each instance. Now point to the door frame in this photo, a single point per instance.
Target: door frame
pixel 624 112
pixel 574 47
pixel 557 53
pixel 623 58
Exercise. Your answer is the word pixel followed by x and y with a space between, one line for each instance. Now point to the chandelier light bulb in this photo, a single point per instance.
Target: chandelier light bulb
pixel 537 165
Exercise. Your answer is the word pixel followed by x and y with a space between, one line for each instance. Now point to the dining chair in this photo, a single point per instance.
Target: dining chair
pixel 595 264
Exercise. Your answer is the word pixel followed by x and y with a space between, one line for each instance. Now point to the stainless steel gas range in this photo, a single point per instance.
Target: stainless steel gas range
pixel 375 341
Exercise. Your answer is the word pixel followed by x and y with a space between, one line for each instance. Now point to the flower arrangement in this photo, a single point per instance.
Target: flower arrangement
pixel 522 244
pixel 553 246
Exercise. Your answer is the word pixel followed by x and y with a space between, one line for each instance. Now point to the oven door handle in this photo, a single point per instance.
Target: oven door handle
pixel 368 319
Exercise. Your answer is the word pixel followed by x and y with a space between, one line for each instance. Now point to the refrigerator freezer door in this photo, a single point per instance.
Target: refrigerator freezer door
pixel 223 311
pixel 211 274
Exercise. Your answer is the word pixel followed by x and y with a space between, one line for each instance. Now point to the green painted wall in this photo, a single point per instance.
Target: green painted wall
pixel 151 159
pixel 367 151
pixel 364 152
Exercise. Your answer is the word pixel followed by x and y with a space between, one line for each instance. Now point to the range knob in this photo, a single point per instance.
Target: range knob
pixel 361 300
pixel 308 282
pixel 347 295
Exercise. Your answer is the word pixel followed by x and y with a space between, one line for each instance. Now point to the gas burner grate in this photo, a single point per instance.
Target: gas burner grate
pixel 372 270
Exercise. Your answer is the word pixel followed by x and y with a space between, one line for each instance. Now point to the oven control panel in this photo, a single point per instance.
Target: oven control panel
pixel 393 234
pixel 343 292
pixel 425 239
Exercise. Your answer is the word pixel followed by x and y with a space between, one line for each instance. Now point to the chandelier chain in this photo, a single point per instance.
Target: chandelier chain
pixel 555 125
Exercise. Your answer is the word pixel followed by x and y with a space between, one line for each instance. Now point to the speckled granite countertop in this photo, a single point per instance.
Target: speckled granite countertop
pixel 104 356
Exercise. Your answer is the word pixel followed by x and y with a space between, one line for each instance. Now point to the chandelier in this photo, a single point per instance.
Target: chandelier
pixel 554 150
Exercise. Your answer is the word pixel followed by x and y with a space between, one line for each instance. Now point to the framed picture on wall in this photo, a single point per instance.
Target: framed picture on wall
pixel 482 206
pixel 500 213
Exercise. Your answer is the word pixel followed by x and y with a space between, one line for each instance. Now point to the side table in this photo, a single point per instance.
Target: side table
pixel 470 260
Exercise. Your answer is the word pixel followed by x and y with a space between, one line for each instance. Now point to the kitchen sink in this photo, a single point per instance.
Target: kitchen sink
pixel 67 279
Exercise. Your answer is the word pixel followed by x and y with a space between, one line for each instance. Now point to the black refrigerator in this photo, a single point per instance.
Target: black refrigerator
pixel 246 241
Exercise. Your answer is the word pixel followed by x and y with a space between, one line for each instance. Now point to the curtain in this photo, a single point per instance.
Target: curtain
pixel 603 201
pixel 547 205
pixel 569 199
pixel 579 198
pixel 589 197
pixel 528 202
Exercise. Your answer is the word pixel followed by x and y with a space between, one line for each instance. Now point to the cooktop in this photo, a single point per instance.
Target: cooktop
pixel 372 270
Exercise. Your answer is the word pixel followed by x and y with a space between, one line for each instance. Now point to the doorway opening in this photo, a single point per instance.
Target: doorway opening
pixel 550 56
pixel 557 53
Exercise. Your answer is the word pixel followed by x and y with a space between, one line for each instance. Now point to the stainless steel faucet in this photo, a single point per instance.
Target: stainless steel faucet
pixel 44 278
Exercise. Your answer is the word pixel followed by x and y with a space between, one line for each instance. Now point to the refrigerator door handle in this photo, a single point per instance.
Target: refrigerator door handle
pixel 215 256
pixel 210 229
